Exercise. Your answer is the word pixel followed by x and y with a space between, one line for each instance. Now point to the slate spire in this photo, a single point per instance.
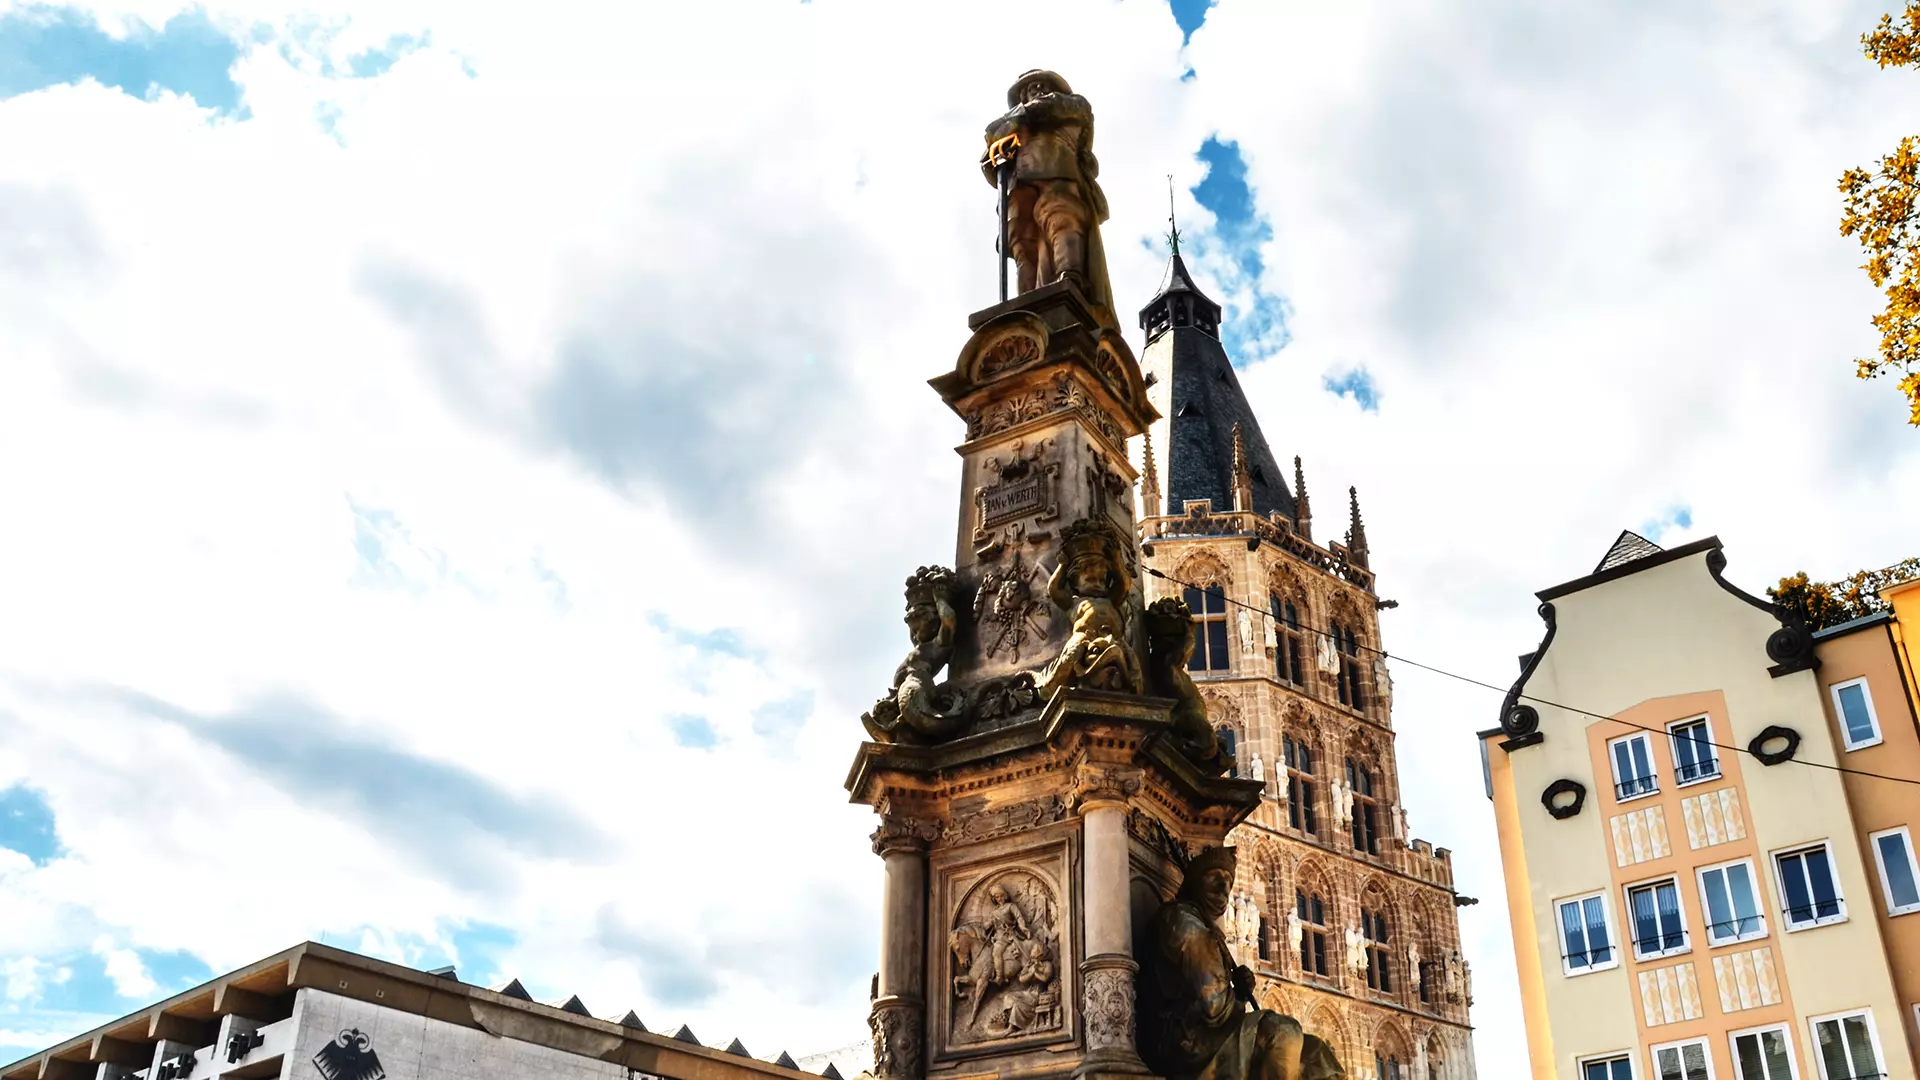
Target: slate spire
pixel 1195 388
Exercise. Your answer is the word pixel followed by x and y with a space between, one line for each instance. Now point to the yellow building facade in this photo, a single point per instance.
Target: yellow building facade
pixel 1698 891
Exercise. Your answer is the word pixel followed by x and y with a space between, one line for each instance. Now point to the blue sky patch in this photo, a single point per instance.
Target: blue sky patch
pixel 693 731
pixel 378 61
pixel 51 46
pixel 1673 517
pixel 720 640
pixel 1189 14
pixel 26 825
pixel 781 720
pixel 1231 251
pixel 1356 384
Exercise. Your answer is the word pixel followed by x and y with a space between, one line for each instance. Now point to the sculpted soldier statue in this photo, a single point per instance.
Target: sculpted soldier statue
pixel 1198 1023
pixel 1055 207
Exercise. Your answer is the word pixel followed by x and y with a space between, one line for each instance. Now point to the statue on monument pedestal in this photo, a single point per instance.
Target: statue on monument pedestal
pixel 1054 204
pixel 1092 583
pixel 1198 1024
pixel 1169 648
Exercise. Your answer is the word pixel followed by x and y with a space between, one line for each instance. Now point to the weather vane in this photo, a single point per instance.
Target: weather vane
pixel 1173 227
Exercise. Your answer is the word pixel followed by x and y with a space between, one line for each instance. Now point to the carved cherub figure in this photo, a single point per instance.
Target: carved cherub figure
pixel 916 707
pixel 1093 585
pixel 1169 648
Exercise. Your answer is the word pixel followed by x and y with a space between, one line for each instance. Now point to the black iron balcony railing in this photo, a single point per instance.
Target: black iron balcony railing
pixel 1637 785
pixel 1699 770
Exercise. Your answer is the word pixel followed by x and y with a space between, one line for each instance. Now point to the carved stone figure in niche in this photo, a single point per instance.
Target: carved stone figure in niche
pixel 1107 490
pixel 917 709
pixel 1022 488
pixel 1056 206
pixel 1198 1020
pixel 1005 944
pixel 1093 585
pixel 1169 648
pixel 1456 977
pixel 1007 610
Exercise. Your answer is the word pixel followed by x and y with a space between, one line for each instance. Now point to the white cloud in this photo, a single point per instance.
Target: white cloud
pixel 23 977
pixel 345 476
pixel 125 969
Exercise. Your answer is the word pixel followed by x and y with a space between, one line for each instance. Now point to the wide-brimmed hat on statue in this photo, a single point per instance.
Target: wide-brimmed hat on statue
pixel 1053 80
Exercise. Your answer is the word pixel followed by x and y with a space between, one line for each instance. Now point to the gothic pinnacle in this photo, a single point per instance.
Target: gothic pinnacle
pixel 1302 509
pixel 1242 479
pixel 1356 529
pixel 1149 479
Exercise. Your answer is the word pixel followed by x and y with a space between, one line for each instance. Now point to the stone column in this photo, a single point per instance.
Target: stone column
pixel 899 1004
pixel 1107 973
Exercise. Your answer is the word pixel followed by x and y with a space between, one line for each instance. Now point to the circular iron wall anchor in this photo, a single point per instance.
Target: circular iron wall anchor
pixel 1791 644
pixel 1521 720
pixel 1786 736
pixel 1564 798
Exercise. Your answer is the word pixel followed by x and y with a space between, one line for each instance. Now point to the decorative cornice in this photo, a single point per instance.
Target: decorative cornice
pixel 1519 720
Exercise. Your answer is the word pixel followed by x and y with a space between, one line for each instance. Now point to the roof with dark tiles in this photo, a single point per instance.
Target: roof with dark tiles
pixel 1205 402
pixel 1627 547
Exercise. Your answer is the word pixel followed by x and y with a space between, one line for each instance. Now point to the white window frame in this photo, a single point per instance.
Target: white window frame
pixel 1560 934
pixel 1840 714
pixel 1873 1039
pixel 1701 1041
pixel 1787 925
pixel 1703 718
pixel 1786 1031
pixel 1706 910
pixel 1653 767
pixel 1627 918
pixel 1580 1064
pixel 1880 865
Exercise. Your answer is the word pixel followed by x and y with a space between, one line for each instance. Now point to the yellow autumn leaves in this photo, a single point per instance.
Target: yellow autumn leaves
pixel 1879 210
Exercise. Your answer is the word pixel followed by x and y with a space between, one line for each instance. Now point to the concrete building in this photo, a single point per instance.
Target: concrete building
pixel 1349 923
pixel 316 1011
pixel 1697 891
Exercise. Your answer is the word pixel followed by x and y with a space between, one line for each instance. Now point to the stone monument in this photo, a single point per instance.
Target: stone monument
pixel 1050 792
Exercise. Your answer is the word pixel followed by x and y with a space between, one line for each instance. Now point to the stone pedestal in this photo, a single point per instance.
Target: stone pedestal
pixel 1021 864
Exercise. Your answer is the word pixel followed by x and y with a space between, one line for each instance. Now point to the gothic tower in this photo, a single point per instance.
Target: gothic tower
pixel 1349 922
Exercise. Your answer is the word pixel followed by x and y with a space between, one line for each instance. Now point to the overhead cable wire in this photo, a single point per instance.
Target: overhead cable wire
pixel 1502 690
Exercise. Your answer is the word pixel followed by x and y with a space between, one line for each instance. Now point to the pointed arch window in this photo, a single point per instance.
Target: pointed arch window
pixel 1265 940
pixel 1387 1067
pixel 1301 813
pixel 1373 924
pixel 1209 607
pixel 1289 647
pixel 1366 808
pixel 1230 744
pixel 1349 679
pixel 1312 912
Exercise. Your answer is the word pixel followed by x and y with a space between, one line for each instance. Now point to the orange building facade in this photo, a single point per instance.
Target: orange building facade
pixel 1699 891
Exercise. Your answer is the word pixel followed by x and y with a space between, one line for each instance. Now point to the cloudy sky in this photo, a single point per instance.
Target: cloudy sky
pixel 458 462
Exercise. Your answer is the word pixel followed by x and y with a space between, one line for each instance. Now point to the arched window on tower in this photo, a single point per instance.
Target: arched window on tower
pixel 1366 813
pixel 1301 813
pixel 1312 912
pixel 1348 679
pixel 1388 1067
pixel 1266 939
pixel 1373 923
pixel 1209 607
pixel 1289 649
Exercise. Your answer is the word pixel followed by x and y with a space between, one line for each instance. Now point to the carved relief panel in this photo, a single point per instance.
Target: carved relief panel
pixel 1004 964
